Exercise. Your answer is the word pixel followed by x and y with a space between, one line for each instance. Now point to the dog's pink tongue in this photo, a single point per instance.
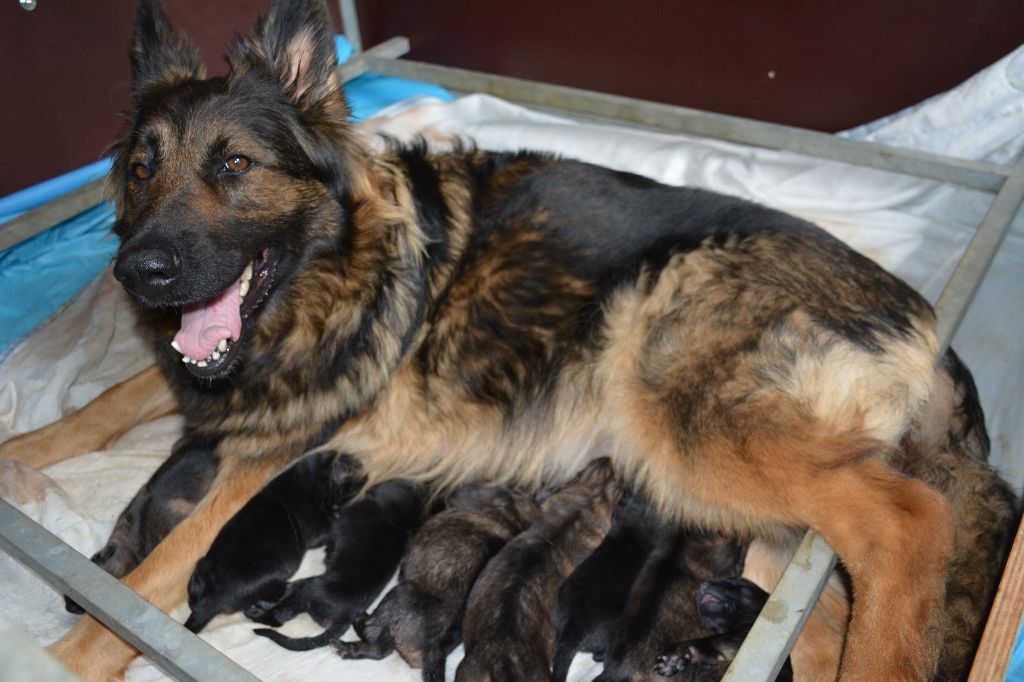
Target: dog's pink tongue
pixel 205 324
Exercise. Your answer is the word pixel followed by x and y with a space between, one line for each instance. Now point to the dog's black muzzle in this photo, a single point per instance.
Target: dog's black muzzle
pixel 148 272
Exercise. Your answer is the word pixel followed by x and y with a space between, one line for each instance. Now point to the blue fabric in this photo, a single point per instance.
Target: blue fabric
pixel 38 275
pixel 1015 671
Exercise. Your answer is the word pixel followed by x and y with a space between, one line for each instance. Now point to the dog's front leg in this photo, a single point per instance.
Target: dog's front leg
pixel 138 399
pixel 95 653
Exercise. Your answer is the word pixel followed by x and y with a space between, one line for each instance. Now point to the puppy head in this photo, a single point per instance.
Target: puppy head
pixel 729 603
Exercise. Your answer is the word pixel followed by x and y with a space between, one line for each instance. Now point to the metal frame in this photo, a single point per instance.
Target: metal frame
pixel 770 640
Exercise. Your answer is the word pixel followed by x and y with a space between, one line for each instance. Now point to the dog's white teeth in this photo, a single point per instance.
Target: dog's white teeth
pixel 175 346
pixel 215 355
pixel 186 359
pixel 201 363
pixel 243 289
pixel 223 345
pixel 247 273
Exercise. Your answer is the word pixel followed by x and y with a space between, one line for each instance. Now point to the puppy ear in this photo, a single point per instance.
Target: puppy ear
pixel 295 42
pixel 160 56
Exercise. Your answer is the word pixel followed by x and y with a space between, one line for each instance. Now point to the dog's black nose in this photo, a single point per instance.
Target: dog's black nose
pixel 147 268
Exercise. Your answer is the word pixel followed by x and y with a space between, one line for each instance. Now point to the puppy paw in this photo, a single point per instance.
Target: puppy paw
pixel 670 664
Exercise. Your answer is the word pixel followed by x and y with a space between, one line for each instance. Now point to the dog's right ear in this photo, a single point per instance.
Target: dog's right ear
pixel 161 56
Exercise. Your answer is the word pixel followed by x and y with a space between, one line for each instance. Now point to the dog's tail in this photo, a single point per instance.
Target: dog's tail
pixel 333 632
pixel 952 458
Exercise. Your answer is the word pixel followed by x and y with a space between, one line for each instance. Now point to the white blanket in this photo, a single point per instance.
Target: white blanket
pixel 916 228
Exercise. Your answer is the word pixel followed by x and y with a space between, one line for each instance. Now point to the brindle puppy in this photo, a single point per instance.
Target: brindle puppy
pixel 169 496
pixel 263 544
pixel 661 610
pixel 594 596
pixel 508 631
pixel 728 607
pixel 422 616
pixel 366 543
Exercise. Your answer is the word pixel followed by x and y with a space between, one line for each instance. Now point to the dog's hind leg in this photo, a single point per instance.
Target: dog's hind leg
pixel 137 399
pixel 895 537
pixel 95 653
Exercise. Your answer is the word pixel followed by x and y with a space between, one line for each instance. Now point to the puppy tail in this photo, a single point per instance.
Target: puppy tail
pixel 304 643
pixel 563 661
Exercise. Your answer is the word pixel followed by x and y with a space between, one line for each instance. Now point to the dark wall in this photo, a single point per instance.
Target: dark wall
pixel 65 76
pixel 824 65
pixel 827 65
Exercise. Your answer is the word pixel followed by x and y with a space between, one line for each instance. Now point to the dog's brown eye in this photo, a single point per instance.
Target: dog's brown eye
pixel 141 171
pixel 237 164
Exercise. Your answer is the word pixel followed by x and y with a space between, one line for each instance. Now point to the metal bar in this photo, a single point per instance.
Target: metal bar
pixel 350 23
pixel 33 222
pixel 966 278
pixel 24 660
pixel 775 631
pixel 159 637
pixel 359 64
pixel 974 174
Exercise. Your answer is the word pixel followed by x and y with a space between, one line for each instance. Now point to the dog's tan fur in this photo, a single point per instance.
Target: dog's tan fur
pixel 761 379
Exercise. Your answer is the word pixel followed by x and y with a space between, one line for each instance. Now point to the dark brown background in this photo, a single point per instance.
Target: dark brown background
pixel 65 72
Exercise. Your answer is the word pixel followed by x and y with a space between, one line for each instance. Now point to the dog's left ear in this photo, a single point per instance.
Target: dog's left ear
pixel 295 41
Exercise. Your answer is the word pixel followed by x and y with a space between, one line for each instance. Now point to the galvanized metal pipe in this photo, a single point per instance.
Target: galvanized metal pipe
pixel 963 284
pixel 31 223
pixel 350 23
pixel 781 620
pixel 974 174
pixel 159 637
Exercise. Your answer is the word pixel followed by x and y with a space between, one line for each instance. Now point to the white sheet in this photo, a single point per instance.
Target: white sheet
pixel 916 228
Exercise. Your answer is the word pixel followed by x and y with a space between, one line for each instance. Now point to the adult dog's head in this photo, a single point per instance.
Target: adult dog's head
pixel 223 183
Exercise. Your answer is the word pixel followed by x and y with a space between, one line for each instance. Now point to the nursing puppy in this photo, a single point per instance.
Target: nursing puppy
pixel 508 632
pixel 422 616
pixel 591 600
pixel 661 610
pixel 263 544
pixel 170 495
pixel 728 607
pixel 365 544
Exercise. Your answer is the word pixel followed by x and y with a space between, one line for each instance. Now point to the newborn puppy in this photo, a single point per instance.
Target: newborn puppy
pixel 168 496
pixel 508 632
pixel 727 607
pixel 591 600
pixel 366 542
pixel 661 610
pixel 422 616
pixel 262 545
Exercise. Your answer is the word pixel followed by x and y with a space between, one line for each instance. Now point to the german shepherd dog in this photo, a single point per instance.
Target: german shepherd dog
pixel 506 317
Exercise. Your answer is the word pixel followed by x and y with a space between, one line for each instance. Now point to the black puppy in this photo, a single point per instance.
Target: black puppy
pixel 508 632
pixel 660 610
pixel 591 600
pixel 728 607
pixel 170 495
pixel 366 542
pixel 262 545
pixel 422 616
